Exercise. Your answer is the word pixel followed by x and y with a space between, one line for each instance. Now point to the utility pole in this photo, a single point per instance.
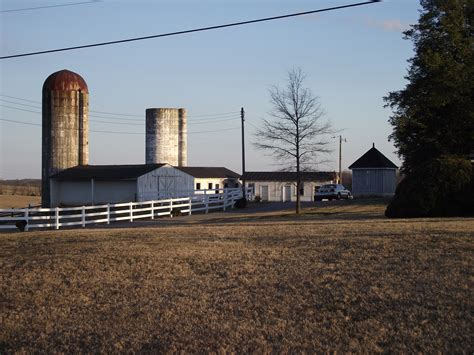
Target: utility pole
pixel 242 117
pixel 340 157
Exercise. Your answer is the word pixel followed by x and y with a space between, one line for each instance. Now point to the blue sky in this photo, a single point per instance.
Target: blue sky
pixel 352 58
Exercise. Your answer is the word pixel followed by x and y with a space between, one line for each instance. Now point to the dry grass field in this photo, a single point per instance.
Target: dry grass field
pixel 339 278
pixel 18 201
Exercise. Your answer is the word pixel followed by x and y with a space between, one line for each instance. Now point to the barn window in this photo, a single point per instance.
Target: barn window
pixel 301 188
pixel 209 186
pixel 198 186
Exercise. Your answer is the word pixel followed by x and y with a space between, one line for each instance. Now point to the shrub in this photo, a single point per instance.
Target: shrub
pixel 440 187
pixel 176 212
pixel 241 203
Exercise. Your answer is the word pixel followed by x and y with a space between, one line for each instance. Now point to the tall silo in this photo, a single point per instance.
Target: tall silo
pixel 182 137
pixel 166 136
pixel 65 126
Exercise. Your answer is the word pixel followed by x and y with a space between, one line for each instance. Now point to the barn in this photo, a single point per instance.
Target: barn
pixel 101 184
pixel 69 180
pixel 281 185
pixel 373 174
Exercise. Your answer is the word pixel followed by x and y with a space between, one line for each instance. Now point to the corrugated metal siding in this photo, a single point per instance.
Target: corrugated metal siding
pixel 79 193
pixel 373 181
pixel 390 181
pixel 114 191
pixel 164 182
pixel 71 193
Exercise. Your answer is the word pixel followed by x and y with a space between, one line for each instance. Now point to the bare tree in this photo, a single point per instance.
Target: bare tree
pixel 296 132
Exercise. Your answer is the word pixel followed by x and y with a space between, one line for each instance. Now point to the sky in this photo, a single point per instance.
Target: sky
pixel 352 58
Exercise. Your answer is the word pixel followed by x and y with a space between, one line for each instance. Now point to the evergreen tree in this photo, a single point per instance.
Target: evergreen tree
pixel 433 115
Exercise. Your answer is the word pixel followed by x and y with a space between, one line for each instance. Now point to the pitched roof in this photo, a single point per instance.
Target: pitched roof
pixel 373 159
pixel 288 176
pixel 209 172
pixel 105 172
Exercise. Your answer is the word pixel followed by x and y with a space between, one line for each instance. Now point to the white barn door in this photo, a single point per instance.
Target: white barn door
pixel 264 192
pixel 287 193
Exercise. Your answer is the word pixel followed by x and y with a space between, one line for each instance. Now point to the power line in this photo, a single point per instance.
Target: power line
pixel 209 116
pixel 20 109
pixel 50 6
pixel 20 122
pixel 19 103
pixel 142 123
pixel 117 132
pixel 19 98
pixel 254 126
pixel 201 29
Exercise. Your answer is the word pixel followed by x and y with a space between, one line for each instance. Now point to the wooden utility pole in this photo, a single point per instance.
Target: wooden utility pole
pixel 242 116
pixel 340 158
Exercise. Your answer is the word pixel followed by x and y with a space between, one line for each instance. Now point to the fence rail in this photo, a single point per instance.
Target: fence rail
pixel 31 218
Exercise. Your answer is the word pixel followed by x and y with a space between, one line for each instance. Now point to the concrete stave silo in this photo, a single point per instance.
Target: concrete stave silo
pixel 65 110
pixel 166 136
pixel 182 137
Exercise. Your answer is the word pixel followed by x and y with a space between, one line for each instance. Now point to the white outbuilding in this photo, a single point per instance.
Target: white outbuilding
pixel 281 185
pixel 100 184
pixel 212 178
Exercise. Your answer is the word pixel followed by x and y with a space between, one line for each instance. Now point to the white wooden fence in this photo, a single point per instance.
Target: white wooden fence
pixel 30 218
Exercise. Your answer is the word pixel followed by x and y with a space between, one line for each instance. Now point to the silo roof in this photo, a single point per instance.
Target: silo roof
pixel 65 80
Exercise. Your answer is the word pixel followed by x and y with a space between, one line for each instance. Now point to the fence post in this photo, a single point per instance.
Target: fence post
pixel 56 218
pixel 83 217
pixel 26 220
pixel 206 200
pixel 108 213
pixel 152 209
pixel 225 199
pixel 131 212
pixel 190 205
pixel 171 208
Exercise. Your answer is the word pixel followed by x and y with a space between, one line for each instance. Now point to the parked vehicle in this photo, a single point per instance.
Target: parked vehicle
pixel 332 192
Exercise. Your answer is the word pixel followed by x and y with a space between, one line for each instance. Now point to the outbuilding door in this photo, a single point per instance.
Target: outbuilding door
pixel 264 190
pixel 286 193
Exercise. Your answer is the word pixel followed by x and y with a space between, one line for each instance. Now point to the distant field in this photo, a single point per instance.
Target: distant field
pixel 17 201
pixel 27 187
pixel 341 277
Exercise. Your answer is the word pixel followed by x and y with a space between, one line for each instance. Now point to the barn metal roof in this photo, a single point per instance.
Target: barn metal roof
pixel 105 172
pixel 373 159
pixel 65 80
pixel 209 172
pixel 288 176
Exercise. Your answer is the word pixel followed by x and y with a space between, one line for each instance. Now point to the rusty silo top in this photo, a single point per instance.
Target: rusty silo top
pixel 65 80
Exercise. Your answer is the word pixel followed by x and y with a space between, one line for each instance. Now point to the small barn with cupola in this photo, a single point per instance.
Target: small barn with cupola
pixel 373 174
